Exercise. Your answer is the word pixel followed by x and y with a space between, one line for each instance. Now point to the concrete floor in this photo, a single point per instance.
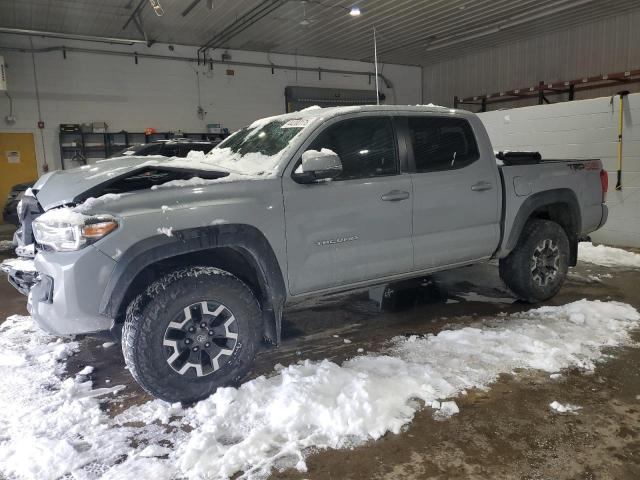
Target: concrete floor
pixel 507 432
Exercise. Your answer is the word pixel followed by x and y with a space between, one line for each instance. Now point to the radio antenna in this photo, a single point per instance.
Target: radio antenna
pixel 375 61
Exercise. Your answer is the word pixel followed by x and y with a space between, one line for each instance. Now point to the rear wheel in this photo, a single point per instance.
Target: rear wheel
pixel 192 331
pixel 537 267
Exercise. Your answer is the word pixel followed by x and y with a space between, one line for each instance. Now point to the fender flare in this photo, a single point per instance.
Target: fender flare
pixel 542 199
pixel 246 239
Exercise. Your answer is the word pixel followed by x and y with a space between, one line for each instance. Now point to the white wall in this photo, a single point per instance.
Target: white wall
pixel 605 46
pixel 583 129
pixel 162 93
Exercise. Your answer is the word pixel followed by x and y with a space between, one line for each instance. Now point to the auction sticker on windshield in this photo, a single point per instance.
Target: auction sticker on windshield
pixel 297 123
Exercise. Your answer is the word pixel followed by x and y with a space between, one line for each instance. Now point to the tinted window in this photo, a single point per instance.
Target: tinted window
pixel 442 143
pixel 366 147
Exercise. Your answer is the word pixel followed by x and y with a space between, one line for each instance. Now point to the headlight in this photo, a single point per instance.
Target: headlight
pixel 66 236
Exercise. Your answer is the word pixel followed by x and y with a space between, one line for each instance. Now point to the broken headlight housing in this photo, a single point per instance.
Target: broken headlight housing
pixel 69 235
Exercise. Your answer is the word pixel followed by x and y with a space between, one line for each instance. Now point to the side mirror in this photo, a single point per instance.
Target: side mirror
pixel 319 165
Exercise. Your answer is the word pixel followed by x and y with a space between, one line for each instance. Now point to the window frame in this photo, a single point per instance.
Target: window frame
pixel 399 147
pixel 405 134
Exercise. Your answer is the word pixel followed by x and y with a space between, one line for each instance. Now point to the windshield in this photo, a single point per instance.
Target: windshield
pixel 255 149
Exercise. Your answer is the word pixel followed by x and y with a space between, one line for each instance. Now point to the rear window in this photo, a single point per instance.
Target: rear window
pixel 441 143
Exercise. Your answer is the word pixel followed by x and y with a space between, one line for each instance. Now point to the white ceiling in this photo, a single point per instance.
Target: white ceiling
pixel 415 32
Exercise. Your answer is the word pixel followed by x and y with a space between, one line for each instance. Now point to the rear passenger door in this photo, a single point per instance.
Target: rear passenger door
pixel 456 210
pixel 356 227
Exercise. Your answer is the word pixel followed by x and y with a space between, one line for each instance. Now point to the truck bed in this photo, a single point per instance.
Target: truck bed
pixel 579 178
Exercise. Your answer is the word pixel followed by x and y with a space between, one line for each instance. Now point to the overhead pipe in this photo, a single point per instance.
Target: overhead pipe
pixel 70 36
pixel 153 56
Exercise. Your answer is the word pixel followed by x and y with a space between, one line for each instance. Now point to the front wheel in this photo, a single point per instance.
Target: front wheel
pixel 537 267
pixel 190 332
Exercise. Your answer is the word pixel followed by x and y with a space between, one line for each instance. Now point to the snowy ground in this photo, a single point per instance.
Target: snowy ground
pixel 52 426
pixel 57 425
pixel 607 256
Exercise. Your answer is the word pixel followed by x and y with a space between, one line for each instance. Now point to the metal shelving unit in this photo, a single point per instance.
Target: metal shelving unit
pixel 545 89
pixel 77 148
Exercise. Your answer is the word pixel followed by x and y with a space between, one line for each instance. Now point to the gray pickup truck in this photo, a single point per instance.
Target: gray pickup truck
pixel 194 259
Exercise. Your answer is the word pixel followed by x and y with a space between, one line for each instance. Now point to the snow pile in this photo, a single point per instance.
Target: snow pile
pixel 195 155
pixel 168 231
pixel 63 216
pixel 78 215
pixel 199 182
pixel 566 408
pixel 28 251
pixel 45 431
pixel 274 422
pixel 50 427
pixel 607 256
pixel 18 264
pixel 92 203
pixel 444 410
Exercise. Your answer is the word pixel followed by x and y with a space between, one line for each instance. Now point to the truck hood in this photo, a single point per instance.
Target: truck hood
pixel 63 187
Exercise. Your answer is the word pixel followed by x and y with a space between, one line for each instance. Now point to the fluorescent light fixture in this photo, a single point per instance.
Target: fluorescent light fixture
pixel 355 11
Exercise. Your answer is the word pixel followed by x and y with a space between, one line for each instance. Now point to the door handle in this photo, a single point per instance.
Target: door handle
pixel 481 186
pixel 395 196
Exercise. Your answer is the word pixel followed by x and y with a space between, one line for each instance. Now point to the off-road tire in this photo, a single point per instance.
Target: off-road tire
pixel 148 317
pixel 520 270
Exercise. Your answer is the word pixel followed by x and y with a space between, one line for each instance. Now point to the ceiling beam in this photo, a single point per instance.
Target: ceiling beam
pixel 242 23
pixel 191 6
pixel 134 13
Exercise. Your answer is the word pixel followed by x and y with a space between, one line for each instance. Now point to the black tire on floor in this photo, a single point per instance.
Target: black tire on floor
pixel 537 267
pixel 191 297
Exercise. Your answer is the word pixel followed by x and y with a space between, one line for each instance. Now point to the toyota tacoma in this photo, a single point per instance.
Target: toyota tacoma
pixel 192 260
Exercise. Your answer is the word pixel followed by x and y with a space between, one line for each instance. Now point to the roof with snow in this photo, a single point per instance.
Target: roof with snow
pixel 329 112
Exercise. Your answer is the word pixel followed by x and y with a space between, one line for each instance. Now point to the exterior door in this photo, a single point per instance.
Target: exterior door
pixel 17 161
pixel 456 201
pixel 354 228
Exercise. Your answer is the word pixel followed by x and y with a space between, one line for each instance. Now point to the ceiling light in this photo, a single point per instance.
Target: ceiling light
pixel 355 11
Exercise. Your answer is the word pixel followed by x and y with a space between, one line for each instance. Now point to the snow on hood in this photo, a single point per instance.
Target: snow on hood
pixel 64 186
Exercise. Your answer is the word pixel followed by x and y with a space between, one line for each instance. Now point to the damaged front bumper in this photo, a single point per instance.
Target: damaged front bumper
pixel 21 273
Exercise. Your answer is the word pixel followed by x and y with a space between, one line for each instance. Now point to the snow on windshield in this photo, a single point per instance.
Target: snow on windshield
pixel 253 150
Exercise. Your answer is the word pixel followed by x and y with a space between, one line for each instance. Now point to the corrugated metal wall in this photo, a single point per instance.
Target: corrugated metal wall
pixel 605 46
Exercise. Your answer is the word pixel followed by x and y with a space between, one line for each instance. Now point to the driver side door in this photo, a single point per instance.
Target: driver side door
pixel 357 227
